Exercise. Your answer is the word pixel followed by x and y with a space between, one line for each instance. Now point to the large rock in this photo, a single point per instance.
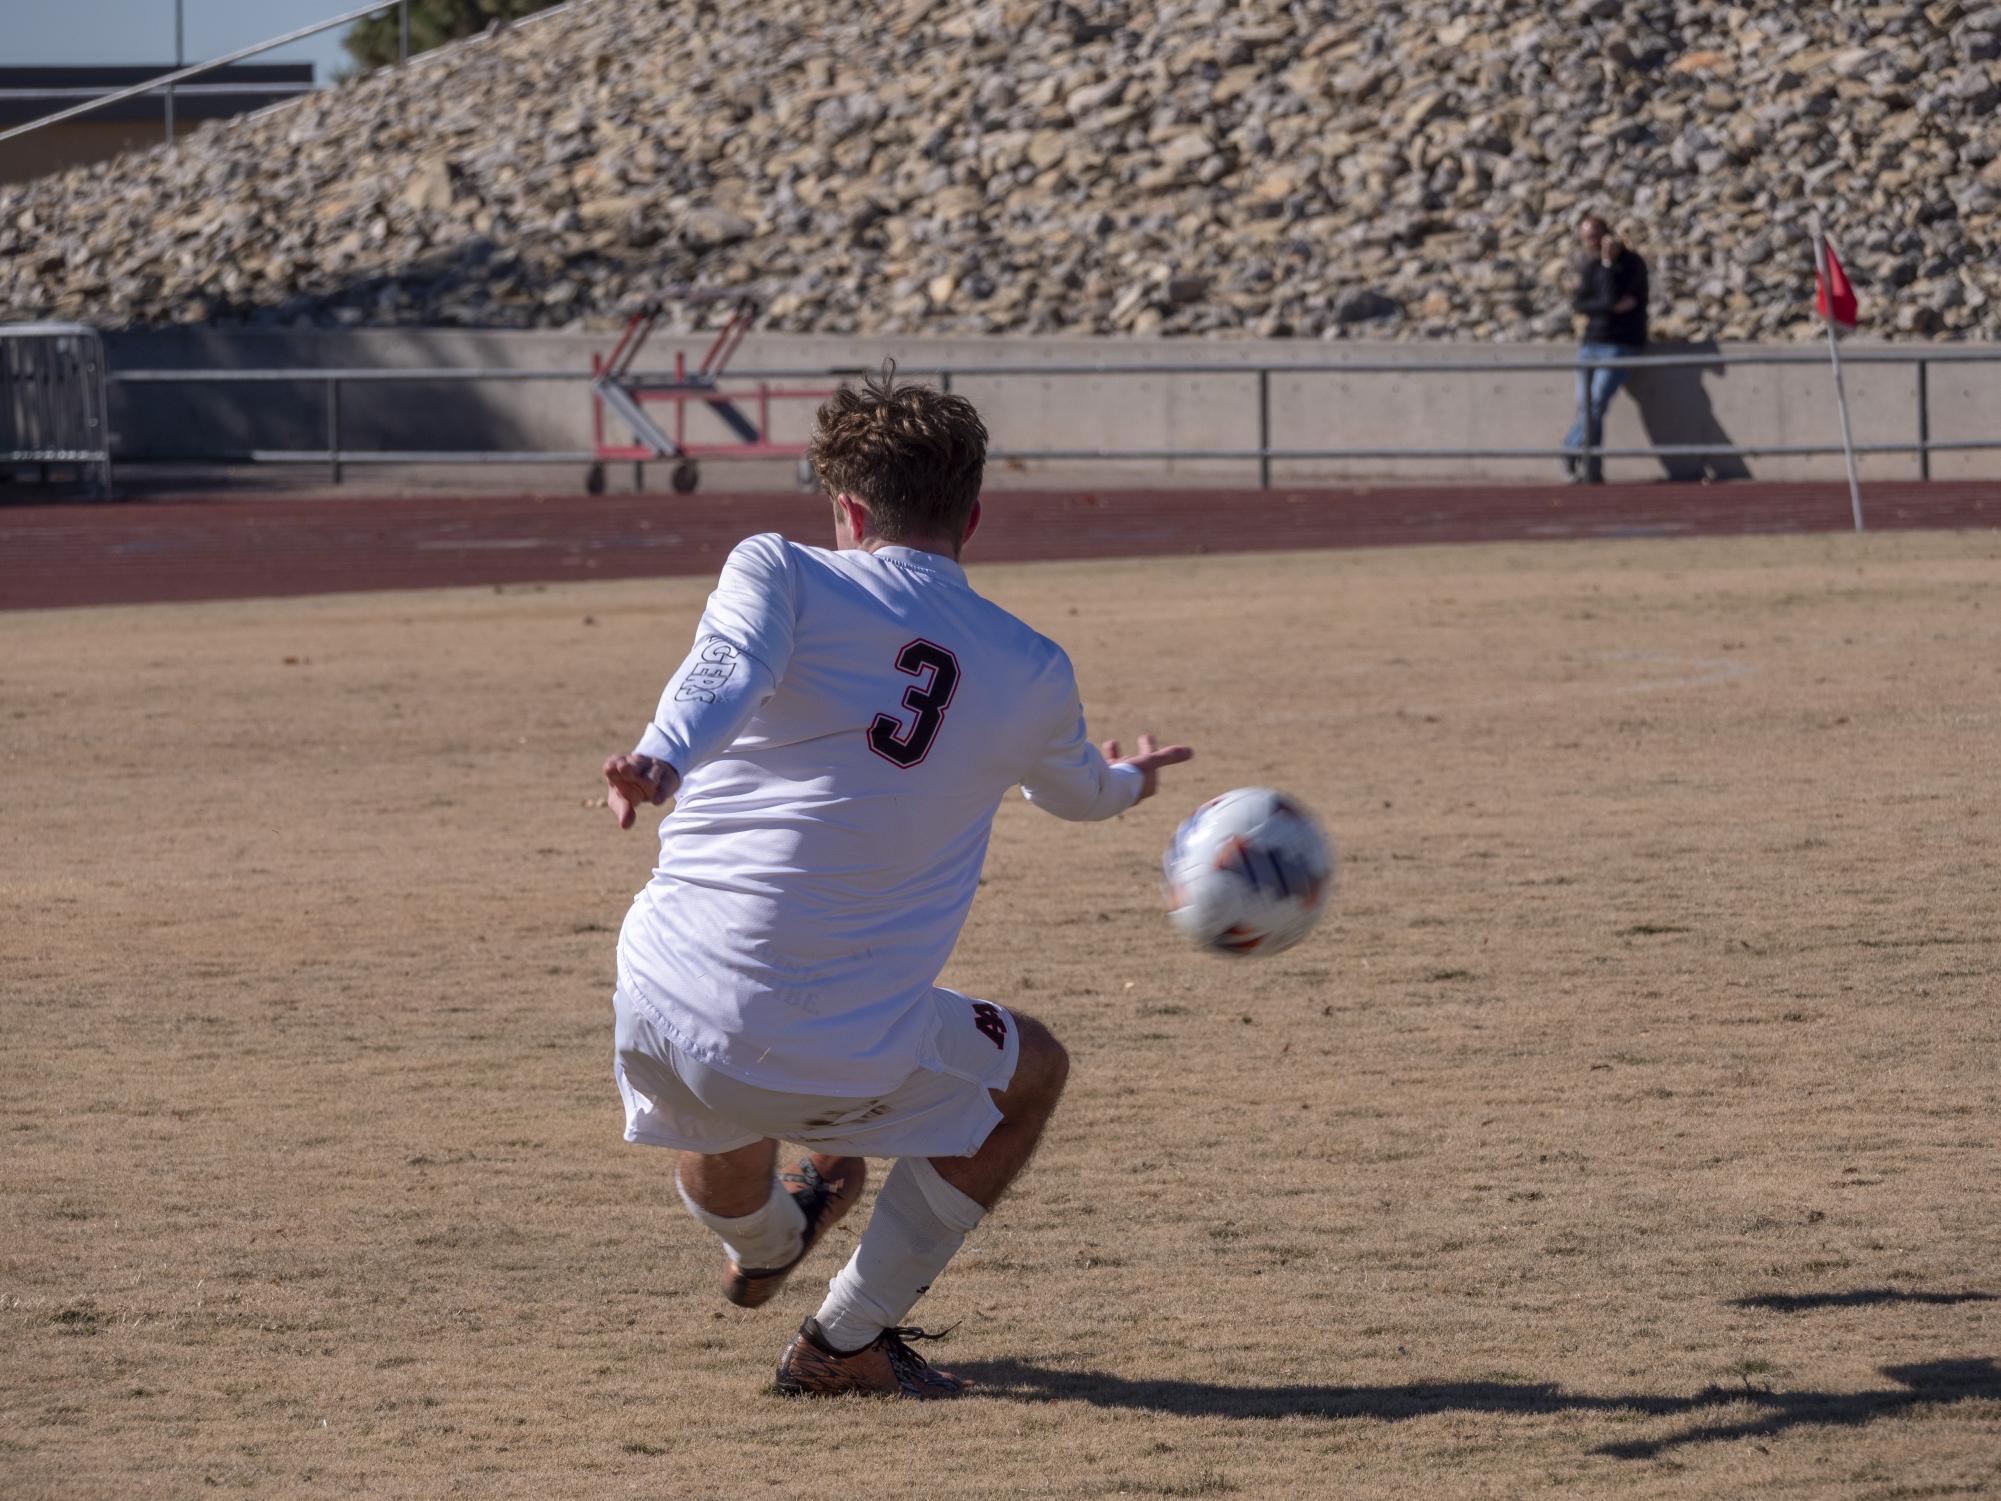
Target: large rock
pixel 1375 170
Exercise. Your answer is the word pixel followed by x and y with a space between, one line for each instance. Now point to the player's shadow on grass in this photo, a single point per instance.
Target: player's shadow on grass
pixel 1855 1297
pixel 1935 1383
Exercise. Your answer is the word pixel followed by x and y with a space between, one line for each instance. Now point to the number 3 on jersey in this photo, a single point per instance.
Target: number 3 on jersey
pixel 906 745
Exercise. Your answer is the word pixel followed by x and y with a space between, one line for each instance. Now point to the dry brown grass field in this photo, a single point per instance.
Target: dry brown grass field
pixel 1629 1129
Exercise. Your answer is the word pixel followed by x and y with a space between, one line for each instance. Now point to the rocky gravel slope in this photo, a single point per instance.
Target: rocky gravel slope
pixel 1256 168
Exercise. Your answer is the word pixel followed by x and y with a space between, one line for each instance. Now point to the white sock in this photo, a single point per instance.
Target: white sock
pixel 764 1238
pixel 920 1220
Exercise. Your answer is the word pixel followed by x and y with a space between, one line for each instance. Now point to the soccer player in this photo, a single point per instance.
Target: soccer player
pixel 837 743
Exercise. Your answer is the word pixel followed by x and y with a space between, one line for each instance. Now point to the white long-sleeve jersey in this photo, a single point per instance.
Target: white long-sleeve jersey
pixel 845 728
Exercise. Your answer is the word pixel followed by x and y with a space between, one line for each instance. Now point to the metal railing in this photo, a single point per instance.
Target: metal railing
pixel 166 83
pixel 335 455
pixel 52 400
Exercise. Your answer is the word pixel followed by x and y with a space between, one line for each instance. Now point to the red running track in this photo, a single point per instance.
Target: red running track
pixel 138 552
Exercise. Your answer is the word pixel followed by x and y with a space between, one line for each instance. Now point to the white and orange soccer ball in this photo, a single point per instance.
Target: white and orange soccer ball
pixel 1248 873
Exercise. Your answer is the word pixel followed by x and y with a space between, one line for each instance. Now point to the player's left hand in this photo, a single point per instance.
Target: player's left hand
pixel 1149 760
pixel 634 780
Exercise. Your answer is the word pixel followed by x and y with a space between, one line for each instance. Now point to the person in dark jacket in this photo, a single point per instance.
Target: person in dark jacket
pixel 1613 298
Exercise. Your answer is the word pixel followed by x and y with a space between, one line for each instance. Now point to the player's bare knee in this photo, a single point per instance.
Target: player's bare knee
pixel 1043 1067
pixel 1056 1067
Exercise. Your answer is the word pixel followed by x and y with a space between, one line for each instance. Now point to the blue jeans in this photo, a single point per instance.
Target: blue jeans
pixel 1595 390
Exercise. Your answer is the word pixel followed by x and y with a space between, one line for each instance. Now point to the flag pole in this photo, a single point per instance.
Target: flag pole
pixel 1834 353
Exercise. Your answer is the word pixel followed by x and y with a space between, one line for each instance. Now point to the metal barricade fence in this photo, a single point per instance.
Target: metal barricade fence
pixel 52 402
pixel 1258 455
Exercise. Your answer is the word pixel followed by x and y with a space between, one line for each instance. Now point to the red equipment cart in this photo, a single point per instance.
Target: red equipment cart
pixel 614 385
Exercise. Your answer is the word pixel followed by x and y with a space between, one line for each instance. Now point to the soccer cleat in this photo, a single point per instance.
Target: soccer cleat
pixel 824 1188
pixel 884 1367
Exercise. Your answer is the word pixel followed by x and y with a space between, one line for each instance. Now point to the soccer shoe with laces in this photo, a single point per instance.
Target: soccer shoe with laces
pixel 824 1188
pixel 884 1367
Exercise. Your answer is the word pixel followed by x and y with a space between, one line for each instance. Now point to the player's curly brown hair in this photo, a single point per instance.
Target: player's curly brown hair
pixel 912 455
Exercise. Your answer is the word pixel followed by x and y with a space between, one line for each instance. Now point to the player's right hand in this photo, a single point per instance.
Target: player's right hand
pixel 634 780
pixel 1149 760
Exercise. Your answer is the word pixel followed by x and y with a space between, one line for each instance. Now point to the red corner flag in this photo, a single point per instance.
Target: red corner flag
pixel 1835 298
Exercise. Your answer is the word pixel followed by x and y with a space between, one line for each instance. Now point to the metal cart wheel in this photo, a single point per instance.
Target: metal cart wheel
pixel 687 475
pixel 594 480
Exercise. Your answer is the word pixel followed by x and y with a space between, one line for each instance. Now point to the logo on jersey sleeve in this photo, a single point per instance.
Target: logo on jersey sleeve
pixel 714 666
pixel 990 1023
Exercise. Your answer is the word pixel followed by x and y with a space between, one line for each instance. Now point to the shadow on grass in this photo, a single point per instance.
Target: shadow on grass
pixel 1931 1384
pixel 1856 1297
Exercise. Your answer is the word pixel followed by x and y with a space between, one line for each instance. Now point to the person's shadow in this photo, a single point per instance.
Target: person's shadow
pixel 1676 410
pixel 1934 1383
pixel 1856 1297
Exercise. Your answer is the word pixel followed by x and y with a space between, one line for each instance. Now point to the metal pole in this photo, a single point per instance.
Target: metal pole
pixel 1924 421
pixel 333 430
pixel 101 411
pixel 1847 432
pixel 403 31
pixel 153 85
pixel 1840 386
pixel 180 60
pixel 1264 428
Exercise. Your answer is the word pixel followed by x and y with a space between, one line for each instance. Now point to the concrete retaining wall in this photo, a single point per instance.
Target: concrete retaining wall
pixel 1711 404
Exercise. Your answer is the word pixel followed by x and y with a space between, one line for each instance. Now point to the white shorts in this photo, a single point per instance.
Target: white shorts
pixel 671 1100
